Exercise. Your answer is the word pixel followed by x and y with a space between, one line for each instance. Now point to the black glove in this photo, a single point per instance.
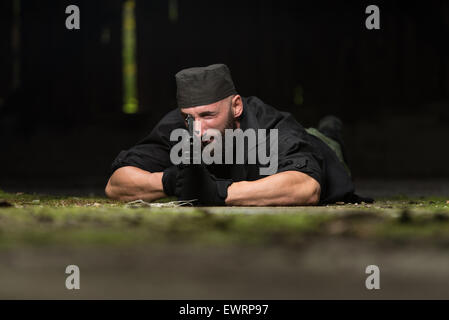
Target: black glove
pixel 169 178
pixel 195 182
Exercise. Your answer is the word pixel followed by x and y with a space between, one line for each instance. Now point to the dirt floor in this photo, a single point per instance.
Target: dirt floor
pixel 228 253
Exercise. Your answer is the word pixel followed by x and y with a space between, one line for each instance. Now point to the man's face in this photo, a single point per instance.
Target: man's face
pixel 218 115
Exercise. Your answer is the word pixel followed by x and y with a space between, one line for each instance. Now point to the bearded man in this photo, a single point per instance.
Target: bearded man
pixel 310 170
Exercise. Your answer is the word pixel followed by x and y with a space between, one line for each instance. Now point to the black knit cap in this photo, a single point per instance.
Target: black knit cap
pixel 203 85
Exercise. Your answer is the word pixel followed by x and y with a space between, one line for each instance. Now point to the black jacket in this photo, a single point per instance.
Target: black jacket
pixel 297 151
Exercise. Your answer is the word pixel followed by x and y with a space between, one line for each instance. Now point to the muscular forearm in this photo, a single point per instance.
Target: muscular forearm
pixel 285 188
pixel 131 183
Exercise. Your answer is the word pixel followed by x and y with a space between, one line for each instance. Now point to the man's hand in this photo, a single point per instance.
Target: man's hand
pixel 195 182
pixel 169 178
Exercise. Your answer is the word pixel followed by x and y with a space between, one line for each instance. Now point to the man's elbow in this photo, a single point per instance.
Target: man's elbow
pixel 314 197
pixel 130 183
pixel 114 192
pixel 110 191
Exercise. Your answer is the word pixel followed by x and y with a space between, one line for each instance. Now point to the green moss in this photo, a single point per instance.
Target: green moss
pixel 88 221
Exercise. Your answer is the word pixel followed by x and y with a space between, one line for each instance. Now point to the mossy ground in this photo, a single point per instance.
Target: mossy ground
pixel 37 220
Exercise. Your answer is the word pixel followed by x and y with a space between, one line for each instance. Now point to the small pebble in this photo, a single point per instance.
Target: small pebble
pixel 37 201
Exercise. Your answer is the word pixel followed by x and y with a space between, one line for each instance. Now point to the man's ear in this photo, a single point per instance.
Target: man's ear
pixel 237 105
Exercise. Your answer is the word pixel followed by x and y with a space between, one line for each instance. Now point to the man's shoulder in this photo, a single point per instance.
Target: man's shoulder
pixel 261 115
pixel 173 116
pixel 171 120
pixel 256 105
pixel 160 133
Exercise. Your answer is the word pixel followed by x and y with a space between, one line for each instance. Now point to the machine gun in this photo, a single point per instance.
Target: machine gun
pixel 194 144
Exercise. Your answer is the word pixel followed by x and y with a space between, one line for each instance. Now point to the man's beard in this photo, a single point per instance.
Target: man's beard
pixel 231 123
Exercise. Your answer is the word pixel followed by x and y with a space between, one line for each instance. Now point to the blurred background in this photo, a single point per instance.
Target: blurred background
pixel 70 100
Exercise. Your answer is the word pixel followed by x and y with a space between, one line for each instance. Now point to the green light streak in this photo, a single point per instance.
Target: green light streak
pixel 130 101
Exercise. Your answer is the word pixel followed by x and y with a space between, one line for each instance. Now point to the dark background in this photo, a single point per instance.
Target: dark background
pixel 63 126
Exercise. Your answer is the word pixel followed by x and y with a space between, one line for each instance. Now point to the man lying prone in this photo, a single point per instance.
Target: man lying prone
pixel 224 149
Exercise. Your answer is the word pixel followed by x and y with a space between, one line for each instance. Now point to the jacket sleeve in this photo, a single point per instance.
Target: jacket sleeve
pixel 153 152
pixel 297 153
